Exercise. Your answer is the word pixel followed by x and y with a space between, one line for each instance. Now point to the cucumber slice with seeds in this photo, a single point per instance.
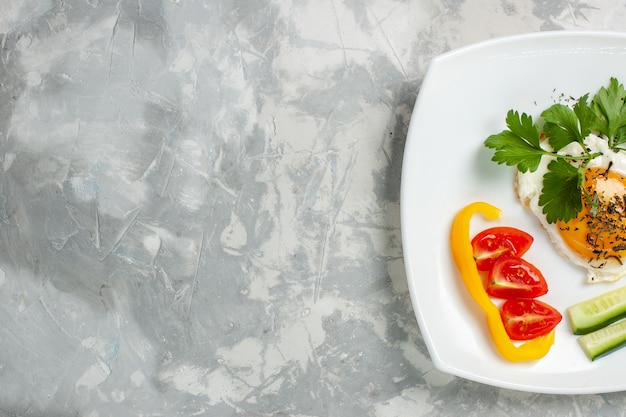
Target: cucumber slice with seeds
pixel 595 313
pixel 604 341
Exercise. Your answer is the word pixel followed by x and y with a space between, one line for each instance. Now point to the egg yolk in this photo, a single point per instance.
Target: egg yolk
pixel 598 234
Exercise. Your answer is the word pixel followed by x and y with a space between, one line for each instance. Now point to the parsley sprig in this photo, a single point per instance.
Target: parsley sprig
pixel 523 145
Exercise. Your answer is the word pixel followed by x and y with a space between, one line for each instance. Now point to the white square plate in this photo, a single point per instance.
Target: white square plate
pixel 463 99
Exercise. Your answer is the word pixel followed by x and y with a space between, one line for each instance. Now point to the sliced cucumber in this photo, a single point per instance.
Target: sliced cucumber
pixel 597 312
pixel 604 341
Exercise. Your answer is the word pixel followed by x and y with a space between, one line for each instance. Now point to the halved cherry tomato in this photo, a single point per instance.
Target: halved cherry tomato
pixel 526 319
pixel 494 242
pixel 514 277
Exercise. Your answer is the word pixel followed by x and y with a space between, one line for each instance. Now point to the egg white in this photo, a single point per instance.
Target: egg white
pixel 528 186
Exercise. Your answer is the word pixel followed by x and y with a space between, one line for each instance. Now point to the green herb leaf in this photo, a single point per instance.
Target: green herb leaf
pixel 518 146
pixel 608 105
pixel 620 138
pixel 561 195
pixel 512 151
pixel 586 115
pixel 523 126
pixel 561 126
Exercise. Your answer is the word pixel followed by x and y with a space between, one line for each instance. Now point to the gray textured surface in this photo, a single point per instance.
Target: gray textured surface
pixel 199 206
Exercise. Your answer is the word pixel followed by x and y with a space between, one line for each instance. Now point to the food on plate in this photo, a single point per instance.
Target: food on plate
pixel 597 312
pixel 598 319
pixel 527 318
pixel 604 341
pixel 463 254
pixel 494 242
pixel 514 277
pixel 571 174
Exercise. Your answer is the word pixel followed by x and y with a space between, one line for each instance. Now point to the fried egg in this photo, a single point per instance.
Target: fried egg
pixel 596 239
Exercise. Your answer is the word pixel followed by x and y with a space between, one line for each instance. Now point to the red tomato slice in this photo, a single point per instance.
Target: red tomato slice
pixel 525 319
pixel 514 277
pixel 494 242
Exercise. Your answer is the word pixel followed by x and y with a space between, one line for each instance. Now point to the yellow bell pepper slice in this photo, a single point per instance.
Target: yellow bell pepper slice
pixel 464 258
